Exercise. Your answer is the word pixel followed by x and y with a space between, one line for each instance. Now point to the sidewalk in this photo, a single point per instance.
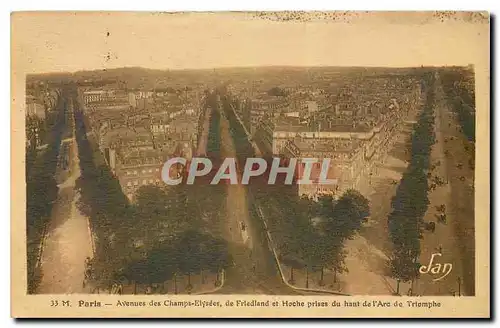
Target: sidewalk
pixel 66 242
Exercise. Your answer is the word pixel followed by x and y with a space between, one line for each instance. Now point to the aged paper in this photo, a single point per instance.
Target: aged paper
pixel 250 164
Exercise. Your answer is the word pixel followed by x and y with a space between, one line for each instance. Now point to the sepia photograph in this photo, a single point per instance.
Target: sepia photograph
pixel 316 156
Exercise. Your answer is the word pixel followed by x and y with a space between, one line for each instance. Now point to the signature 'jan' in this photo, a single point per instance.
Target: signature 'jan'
pixel 435 268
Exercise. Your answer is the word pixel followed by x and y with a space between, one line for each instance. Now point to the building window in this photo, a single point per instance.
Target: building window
pixel 129 184
pixel 135 172
pixel 150 180
pixel 144 181
pixel 136 182
pixel 157 170
pixel 150 170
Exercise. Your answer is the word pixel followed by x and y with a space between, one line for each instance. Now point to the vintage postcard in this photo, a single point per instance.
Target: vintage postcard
pixel 250 164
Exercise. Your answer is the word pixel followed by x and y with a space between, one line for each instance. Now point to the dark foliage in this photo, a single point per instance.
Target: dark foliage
pixel 277 91
pixel 41 185
pixel 411 201
pixel 458 86
pixel 188 253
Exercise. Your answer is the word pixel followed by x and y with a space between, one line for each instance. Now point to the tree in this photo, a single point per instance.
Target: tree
pixel 41 186
pixel 161 213
pixel 292 244
pixel 321 253
pixel 107 266
pixel 403 266
pixel 296 228
pixel 151 208
pixel 189 245
pixel 459 90
pixel 200 251
pixel 276 91
pixel 162 263
pixel 349 212
pixel 215 256
pixel 187 253
pixel 360 204
pixel 337 260
pixel 410 203
pixel 138 271
pixel 326 204
pixel 307 207
pixel 311 251
pixel 294 262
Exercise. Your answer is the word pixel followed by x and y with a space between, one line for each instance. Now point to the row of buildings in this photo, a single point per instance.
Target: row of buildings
pixel 41 100
pixel 354 127
pixel 354 124
pixel 137 140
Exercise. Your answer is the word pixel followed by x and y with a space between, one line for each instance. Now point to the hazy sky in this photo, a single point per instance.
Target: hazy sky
pixel 53 42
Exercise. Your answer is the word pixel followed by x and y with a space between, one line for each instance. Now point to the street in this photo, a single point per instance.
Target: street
pixel 254 270
pixel 454 238
pixel 67 242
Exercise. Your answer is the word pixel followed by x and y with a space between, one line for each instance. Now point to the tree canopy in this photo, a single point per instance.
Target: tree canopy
pixel 188 253
pixel 410 203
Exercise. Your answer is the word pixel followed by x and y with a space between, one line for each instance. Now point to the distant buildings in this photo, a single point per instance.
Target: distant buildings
pixel 41 100
pixel 34 108
pixel 354 128
pixel 351 120
pixel 136 168
pixel 312 106
pixel 254 110
pixel 137 132
pixel 97 96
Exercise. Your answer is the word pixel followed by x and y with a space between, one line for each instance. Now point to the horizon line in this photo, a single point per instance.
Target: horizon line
pixel 242 67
